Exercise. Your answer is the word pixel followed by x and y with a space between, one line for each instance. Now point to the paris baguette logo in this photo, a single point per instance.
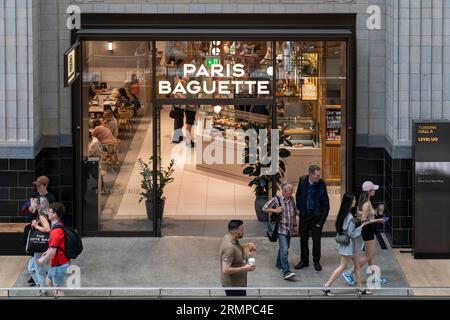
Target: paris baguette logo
pixel 194 87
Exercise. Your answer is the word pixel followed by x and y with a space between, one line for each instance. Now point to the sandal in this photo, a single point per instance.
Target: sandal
pixel 364 292
pixel 327 293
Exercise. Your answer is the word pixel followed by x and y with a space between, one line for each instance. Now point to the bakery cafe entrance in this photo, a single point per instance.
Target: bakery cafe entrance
pixel 212 93
pixel 196 105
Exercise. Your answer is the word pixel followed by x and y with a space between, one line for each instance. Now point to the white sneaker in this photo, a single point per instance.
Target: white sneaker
pixel 289 275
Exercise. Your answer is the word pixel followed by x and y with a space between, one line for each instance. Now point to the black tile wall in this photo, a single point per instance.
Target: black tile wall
pixel 369 165
pixel 8 179
pixel 17 176
pixel 9 208
pixel 4 164
pixel 26 178
pixel 17 193
pixel 4 193
pixel 395 179
pixel 398 197
pixel 17 164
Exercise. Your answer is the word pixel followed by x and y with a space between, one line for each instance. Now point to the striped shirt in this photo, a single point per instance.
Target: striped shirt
pixel 286 225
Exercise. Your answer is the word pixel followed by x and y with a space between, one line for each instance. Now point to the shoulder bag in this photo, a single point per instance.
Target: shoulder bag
pixel 272 226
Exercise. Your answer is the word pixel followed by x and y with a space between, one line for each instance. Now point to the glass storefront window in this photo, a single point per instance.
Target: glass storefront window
pixel 307 100
pixel 116 110
pixel 311 103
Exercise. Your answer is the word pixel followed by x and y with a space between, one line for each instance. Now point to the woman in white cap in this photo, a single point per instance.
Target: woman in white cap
pixel 367 214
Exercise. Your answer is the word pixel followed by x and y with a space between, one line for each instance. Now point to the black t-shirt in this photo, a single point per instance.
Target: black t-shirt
pixel 50 197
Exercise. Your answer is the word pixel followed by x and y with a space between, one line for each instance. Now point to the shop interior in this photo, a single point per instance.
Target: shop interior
pixel 310 108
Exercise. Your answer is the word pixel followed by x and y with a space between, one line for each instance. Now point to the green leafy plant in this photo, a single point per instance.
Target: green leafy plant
pixel 163 176
pixel 261 182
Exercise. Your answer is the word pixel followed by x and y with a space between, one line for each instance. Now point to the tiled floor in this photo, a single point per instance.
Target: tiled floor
pixel 195 194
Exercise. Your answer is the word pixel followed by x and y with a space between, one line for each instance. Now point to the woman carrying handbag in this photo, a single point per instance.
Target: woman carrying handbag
pixel 40 227
pixel 349 242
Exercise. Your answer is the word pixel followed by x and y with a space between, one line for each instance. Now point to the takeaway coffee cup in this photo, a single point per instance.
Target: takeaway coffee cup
pixel 252 261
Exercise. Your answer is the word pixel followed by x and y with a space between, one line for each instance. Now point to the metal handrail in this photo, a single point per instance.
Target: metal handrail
pixel 159 291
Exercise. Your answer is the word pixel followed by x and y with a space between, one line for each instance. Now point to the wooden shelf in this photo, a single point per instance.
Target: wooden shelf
pixel 333 107
pixel 333 142
pixel 299 131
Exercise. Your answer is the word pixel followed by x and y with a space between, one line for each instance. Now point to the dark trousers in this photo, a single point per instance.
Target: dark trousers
pixel 179 120
pixel 307 227
pixel 236 293
pixel 178 123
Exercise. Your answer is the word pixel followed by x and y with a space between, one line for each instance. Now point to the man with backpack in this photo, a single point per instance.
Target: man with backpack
pixel 284 207
pixel 61 247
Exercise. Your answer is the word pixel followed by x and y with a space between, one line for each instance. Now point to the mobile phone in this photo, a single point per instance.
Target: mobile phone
pixel 386 219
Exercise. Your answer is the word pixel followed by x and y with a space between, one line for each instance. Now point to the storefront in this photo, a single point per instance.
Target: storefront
pixel 290 72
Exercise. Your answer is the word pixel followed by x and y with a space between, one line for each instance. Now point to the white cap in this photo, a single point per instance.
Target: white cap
pixel 369 185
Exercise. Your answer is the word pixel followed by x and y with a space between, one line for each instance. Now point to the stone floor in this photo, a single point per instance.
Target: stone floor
pixel 175 263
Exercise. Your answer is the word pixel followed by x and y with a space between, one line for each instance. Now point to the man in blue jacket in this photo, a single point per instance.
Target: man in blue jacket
pixel 313 204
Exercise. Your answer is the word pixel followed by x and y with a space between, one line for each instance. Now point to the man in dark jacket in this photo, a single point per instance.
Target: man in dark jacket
pixel 313 205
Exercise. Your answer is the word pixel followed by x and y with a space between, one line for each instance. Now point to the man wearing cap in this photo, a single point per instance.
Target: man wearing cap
pixel 313 204
pixel 41 184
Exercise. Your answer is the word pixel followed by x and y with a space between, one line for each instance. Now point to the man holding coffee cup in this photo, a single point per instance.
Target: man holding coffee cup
pixel 232 266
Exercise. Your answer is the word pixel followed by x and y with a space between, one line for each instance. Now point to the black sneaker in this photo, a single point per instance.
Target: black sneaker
pixel 301 265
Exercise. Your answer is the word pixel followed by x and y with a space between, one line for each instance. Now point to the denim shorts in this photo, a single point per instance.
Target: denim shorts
pixel 58 275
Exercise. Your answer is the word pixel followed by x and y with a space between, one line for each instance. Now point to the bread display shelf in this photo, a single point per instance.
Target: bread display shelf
pixel 227 123
pixel 299 131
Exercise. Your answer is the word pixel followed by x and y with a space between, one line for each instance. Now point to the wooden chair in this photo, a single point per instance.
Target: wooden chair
pixel 123 121
pixel 130 111
pixel 113 149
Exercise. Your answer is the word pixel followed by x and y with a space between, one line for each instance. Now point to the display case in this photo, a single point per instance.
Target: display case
pixel 302 132
pixel 220 139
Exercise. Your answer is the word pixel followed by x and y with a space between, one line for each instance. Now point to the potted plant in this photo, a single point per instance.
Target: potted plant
pixel 261 182
pixel 164 177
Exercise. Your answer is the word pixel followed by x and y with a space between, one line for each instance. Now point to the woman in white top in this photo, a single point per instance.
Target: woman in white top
pixel 367 214
pixel 346 225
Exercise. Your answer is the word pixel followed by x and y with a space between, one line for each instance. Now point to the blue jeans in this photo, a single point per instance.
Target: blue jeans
pixel 38 271
pixel 58 275
pixel 284 242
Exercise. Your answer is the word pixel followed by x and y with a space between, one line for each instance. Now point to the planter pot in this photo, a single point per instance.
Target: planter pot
pixel 260 201
pixel 159 209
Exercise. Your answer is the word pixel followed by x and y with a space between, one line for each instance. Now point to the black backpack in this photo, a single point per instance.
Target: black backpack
pixel 73 243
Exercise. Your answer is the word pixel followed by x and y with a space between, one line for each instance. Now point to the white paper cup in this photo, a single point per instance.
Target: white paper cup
pixel 252 261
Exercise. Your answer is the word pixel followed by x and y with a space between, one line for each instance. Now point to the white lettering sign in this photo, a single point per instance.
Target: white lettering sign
pixel 222 87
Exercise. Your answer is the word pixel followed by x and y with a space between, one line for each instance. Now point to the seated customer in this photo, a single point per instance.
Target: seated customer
pixel 111 122
pixel 102 133
pixel 95 147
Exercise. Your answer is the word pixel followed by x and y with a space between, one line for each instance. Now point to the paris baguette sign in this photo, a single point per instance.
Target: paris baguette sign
pixel 222 87
pixel 71 67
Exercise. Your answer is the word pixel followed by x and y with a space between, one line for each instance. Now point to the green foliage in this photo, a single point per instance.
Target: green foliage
pixel 163 176
pixel 260 182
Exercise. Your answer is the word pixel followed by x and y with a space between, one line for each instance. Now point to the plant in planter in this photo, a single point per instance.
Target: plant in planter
pixel 261 182
pixel 164 177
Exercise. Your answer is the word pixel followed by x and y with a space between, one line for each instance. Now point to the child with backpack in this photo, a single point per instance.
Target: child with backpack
pixel 64 244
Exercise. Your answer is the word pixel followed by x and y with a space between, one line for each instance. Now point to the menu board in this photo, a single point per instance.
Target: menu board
pixel 431 218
